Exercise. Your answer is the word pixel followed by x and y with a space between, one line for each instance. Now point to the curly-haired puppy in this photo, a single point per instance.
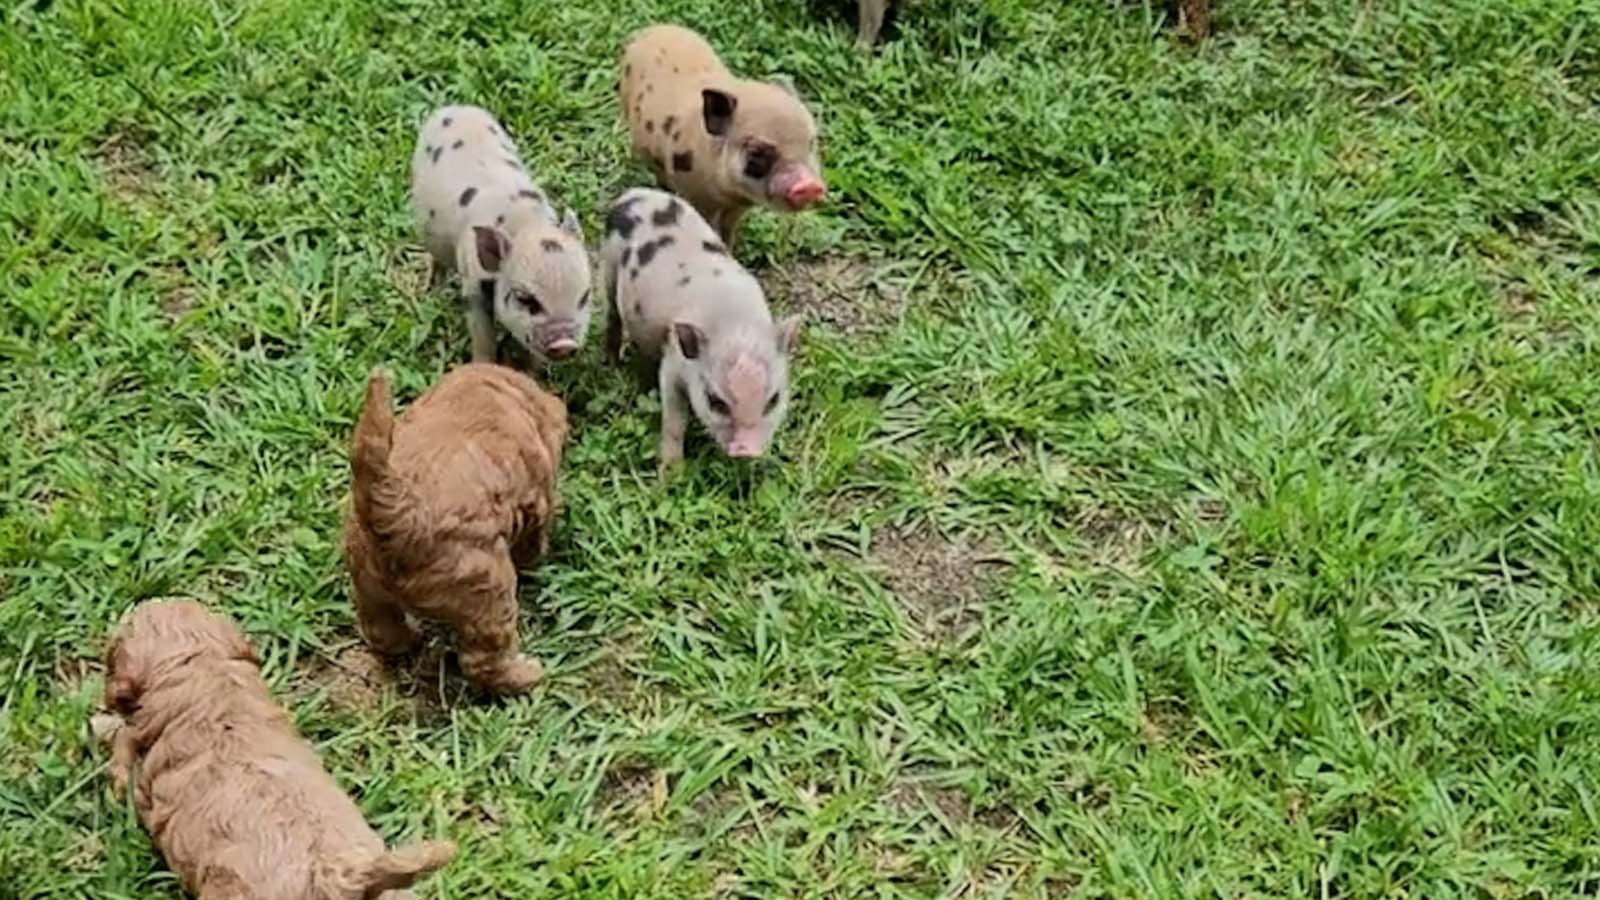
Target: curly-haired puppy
pixel 447 502
pixel 235 800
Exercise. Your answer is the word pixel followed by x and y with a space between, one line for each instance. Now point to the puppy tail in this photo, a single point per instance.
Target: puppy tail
pixel 402 866
pixel 369 448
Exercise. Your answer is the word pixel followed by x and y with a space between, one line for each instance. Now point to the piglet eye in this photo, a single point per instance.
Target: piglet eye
pixel 530 303
pixel 718 405
pixel 584 300
pixel 758 161
pixel 772 402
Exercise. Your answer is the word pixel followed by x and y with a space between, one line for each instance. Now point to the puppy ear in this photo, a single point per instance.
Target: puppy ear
pixel 240 648
pixel 124 679
pixel 122 695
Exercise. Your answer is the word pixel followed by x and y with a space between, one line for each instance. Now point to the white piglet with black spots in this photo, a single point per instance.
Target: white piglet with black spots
pixel 681 301
pixel 482 216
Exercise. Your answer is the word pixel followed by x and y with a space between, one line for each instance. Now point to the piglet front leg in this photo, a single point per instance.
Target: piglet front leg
pixel 480 319
pixel 674 420
pixel 869 22
pixel 726 221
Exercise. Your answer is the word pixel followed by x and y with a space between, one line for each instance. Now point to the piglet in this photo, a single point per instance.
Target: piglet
pixel 682 302
pixel 482 216
pixel 723 143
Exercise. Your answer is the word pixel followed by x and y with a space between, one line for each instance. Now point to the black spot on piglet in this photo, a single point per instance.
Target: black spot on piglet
pixel 683 162
pixel 435 151
pixel 649 126
pixel 457 145
pixel 446 122
pixel 528 195
pixel 619 221
pixel 668 215
pixel 648 249
pixel 713 247
pixel 684 281
pixel 467 195
pixel 627 251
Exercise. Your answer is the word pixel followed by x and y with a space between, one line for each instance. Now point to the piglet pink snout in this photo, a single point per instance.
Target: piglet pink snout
pixel 561 348
pixel 744 446
pixel 805 193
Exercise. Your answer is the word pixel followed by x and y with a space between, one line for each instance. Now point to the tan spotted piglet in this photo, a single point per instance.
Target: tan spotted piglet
pixel 676 295
pixel 482 216
pixel 723 143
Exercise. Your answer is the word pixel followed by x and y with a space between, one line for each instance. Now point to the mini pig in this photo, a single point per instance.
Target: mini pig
pixel 676 295
pixel 723 143
pixel 481 215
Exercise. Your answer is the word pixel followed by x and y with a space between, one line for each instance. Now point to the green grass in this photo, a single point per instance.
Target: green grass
pixel 1267 365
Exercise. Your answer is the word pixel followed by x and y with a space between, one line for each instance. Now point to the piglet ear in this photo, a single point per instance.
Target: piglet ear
pixel 789 334
pixel 717 109
pixel 690 338
pixel 493 247
pixel 570 224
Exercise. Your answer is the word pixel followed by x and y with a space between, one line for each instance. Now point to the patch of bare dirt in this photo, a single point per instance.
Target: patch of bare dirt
pixel 1114 538
pixel 721 802
pixel 634 790
pixel 1210 510
pixel 176 303
pixel 612 679
pixel 1162 721
pixel 941 580
pixel 357 679
pixel 845 294
pixel 178 294
pixel 126 165
pixel 411 269
pixel 907 798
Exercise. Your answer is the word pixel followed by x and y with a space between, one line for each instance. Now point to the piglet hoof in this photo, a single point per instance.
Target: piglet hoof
pixel 668 467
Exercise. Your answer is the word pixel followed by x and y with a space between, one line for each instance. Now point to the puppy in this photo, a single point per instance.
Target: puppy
pixel 235 800
pixel 447 503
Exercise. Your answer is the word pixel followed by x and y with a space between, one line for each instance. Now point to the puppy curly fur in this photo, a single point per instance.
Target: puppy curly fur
pixel 447 502
pixel 236 801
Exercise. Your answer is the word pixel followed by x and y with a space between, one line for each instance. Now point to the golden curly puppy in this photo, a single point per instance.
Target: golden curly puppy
pixel 236 801
pixel 447 502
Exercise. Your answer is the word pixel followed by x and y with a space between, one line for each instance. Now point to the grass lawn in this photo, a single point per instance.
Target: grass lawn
pixel 1190 488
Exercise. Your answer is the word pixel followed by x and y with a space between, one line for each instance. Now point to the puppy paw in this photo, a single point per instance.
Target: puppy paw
pixel 516 675
pixel 104 726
